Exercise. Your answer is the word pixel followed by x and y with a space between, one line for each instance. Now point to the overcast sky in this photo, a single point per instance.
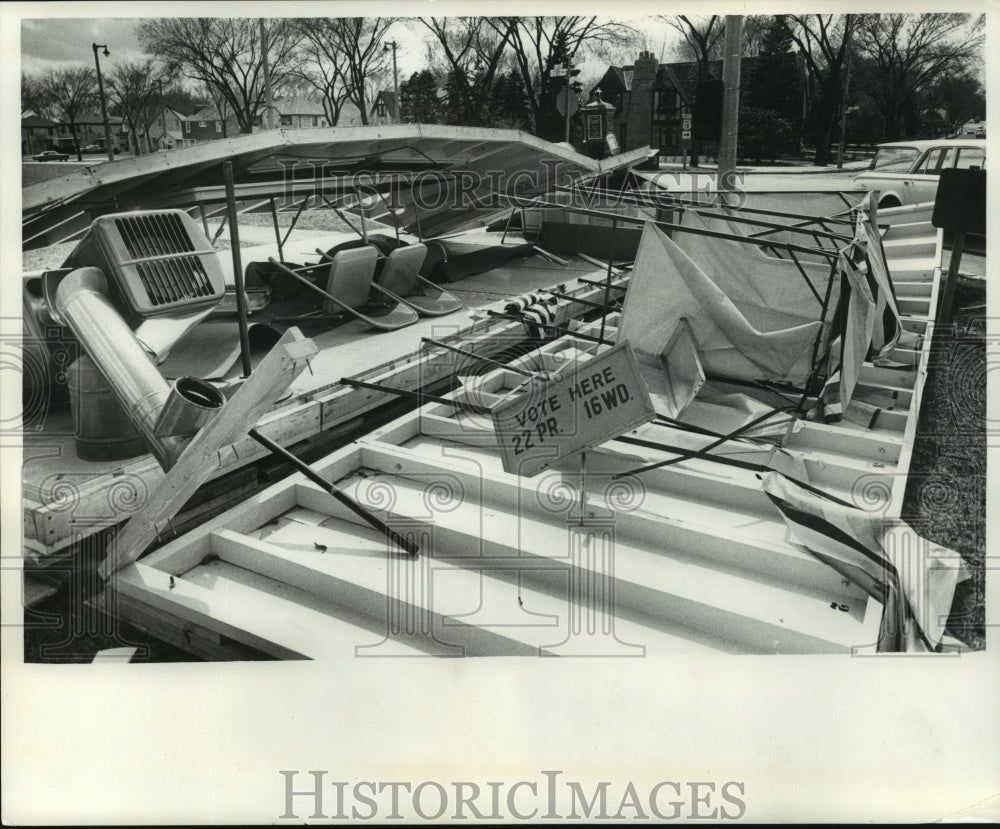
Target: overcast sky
pixel 60 42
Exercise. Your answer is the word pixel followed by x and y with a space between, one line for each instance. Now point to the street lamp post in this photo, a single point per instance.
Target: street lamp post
pixel 163 114
pixel 395 79
pixel 104 103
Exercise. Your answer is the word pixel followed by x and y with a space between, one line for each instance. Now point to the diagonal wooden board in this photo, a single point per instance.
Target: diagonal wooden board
pixel 197 462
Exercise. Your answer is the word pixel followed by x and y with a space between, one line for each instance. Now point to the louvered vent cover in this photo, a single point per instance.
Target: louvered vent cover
pixel 159 260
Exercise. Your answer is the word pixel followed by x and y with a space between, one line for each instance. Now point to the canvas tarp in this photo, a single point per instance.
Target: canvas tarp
pixel 856 321
pixel 914 578
pixel 755 280
pixel 762 334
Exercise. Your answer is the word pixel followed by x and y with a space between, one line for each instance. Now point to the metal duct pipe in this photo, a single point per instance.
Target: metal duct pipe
pixel 82 304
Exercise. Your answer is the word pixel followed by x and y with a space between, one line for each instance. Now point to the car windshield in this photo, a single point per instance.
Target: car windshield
pixel 894 158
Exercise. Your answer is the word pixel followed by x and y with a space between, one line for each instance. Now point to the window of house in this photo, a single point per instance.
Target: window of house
pixel 218 126
pixel 201 124
pixel 286 120
pixel 629 74
pixel 187 126
pixel 315 121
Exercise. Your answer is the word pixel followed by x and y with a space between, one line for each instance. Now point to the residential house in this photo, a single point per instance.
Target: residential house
pixel 652 100
pixel 384 108
pixel 295 112
pixel 299 112
pixel 37 134
pixel 207 124
pixel 167 131
pixel 90 130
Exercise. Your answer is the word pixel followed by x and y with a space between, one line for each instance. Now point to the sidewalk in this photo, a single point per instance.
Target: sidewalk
pixel 849 168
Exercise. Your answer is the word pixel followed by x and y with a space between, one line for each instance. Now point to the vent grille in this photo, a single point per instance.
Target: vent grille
pixel 164 257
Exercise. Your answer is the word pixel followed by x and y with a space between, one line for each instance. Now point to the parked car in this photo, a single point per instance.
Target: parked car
pixel 51 155
pixel 93 148
pixel 906 172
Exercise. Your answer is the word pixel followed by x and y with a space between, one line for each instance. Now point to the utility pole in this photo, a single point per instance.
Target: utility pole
pixel 163 113
pixel 843 106
pixel 267 122
pixel 395 80
pixel 104 101
pixel 730 101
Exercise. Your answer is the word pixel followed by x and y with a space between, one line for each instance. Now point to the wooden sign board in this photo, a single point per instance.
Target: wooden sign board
pixel 587 403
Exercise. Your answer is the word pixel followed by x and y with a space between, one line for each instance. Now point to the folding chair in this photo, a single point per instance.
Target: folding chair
pixel 400 278
pixel 349 284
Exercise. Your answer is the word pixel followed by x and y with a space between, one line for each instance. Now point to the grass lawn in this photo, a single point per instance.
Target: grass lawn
pixel 946 493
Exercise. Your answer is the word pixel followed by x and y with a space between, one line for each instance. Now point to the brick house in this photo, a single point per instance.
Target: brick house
pixel 90 130
pixel 651 98
pixel 207 124
pixel 37 134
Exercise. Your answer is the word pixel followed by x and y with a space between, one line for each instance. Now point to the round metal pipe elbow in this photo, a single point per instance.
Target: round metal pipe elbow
pixel 82 303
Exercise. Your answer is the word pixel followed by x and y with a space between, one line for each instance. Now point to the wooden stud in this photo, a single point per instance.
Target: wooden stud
pixel 198 461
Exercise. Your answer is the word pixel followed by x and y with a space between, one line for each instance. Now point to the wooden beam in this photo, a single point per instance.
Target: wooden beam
pixel 200 459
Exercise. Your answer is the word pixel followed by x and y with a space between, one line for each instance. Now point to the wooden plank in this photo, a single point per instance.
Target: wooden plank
pixel 754 535
pixel 197 462
pixel 272 625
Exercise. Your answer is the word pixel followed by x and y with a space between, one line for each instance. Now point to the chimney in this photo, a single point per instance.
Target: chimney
pixel 641 101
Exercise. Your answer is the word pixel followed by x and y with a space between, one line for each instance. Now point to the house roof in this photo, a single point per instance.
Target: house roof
pixel 206 113
pixel 682 76
pixel 36 121
pixel 388 97
pixel 298 106
pixel 94 118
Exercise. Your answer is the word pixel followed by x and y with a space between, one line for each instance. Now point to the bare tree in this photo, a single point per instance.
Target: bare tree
pixel 73 92
pixel 320 66
pixel 353 49
pixel 225 55
pixel 133 90
pixel 701 39
pixel 824 41
pixel 35 96
pixel 534 39
pixel 755 30
pixel 472 58
pixel 909 53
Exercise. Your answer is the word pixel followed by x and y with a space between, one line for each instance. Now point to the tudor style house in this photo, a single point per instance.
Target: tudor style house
pixel 652 99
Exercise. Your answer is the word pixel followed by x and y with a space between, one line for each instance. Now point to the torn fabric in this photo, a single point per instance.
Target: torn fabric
pixel 733 341
pixel 913 578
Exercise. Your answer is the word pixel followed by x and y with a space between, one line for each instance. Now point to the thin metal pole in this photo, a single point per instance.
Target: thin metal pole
pixel 404 543
pixel 234 243
pixel 419 396
pixel 488 360
pixel 277 230
pixel 104 102
pixel 607 280
pixel 204 221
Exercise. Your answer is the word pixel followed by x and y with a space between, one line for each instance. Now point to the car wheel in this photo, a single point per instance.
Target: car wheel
pixel 889 201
